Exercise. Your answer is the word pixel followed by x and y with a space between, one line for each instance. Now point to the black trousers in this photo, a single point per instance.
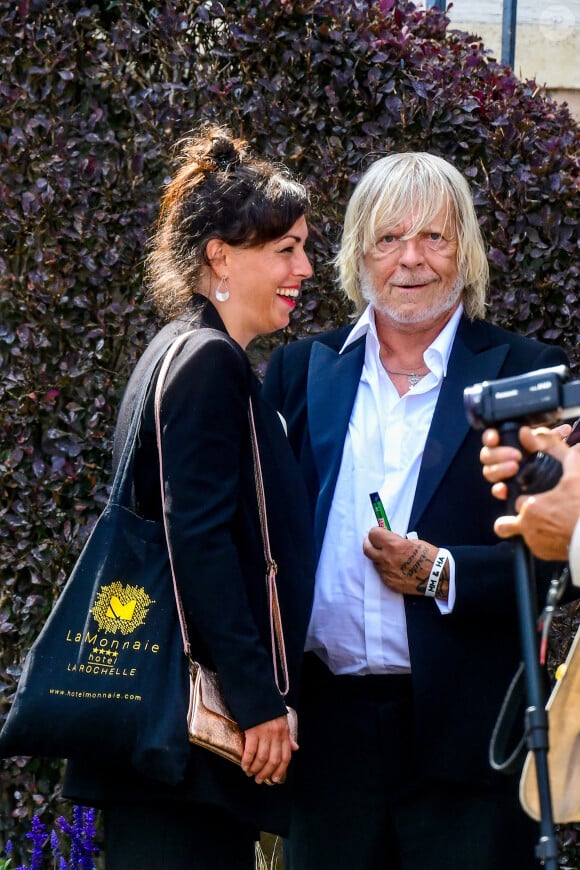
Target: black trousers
pixel 361 803
pixel 176 837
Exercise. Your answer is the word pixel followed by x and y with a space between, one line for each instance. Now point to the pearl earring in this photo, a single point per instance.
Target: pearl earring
pixel 222 295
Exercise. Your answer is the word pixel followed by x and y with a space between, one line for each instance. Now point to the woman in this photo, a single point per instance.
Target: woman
pixel 228 261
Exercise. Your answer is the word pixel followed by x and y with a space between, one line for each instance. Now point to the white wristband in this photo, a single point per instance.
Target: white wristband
pixel 436 571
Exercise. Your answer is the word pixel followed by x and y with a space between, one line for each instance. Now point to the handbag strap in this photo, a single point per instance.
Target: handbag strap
pixel 276 631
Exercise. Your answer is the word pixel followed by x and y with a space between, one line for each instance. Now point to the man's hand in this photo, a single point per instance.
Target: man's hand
pixel 404 565
pixel 268 750
pixel 546 520
pixel 501 462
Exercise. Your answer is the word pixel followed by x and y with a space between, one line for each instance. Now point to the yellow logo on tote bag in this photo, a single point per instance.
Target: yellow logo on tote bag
pixel 118 610
pixel 121 608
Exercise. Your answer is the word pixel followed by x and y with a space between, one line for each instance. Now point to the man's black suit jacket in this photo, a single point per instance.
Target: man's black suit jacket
pixel 462 663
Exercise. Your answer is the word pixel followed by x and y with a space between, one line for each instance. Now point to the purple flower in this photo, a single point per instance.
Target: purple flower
pixel 54 844
pixel 38 836
pixel 88 841
pixel 65 826
pixel 82 833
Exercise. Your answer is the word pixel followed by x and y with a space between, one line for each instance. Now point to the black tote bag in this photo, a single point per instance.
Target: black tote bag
pixel 107 677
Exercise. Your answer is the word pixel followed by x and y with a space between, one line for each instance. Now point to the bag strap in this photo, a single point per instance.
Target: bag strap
pixel 276 631
pixel 122 484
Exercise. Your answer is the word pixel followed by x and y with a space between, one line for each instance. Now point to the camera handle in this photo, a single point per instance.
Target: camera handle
pixel 536 716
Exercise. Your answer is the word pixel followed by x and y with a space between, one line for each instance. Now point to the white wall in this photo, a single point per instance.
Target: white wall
pixel 547 40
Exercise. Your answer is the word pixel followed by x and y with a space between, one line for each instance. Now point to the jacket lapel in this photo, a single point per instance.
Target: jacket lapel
pixel 472 361
pixel 333 381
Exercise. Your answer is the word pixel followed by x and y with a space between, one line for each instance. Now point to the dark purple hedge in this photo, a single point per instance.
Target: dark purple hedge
pixel 92 98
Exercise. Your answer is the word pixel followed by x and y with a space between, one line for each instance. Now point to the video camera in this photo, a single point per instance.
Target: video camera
pixel 543 397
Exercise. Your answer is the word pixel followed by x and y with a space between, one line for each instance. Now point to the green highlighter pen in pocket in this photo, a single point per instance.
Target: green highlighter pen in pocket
pixel 379 510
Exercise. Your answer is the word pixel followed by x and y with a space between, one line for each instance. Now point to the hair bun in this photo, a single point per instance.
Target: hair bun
pixel 211 149
pixel 224 153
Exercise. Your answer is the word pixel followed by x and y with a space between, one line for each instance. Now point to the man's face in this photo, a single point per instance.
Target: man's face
pixel 414 280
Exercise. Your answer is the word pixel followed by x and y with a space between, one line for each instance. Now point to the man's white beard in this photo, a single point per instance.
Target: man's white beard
pixel 441 307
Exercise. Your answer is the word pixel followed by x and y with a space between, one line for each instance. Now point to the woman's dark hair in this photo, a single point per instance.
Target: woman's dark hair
pixel 219 191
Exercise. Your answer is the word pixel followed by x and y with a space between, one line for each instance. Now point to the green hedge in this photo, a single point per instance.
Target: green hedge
pixel 92 98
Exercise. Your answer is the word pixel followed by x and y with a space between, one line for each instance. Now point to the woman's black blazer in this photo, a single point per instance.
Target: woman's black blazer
pixel 216 540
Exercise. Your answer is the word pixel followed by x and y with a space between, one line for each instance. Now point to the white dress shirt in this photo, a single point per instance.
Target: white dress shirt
pixel 358 625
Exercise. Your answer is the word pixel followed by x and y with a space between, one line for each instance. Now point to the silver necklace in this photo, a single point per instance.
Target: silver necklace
pixel 412 377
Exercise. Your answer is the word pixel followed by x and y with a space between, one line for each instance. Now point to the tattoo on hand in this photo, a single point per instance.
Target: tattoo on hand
pixel 415 562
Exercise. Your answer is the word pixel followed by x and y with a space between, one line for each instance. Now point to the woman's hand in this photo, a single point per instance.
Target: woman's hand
pixel 268 750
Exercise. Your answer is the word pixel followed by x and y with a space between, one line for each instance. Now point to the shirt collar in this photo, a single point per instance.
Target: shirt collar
pixel 436 355
pixel 439 350
pixel 360 328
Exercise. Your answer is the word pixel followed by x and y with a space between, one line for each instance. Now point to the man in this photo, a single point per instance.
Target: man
pixel 413 638
pixel 550 521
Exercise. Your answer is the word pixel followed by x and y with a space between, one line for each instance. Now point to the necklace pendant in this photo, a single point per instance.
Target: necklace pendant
pixel 413 379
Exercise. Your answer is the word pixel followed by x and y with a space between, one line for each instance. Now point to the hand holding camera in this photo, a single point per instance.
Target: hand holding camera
pixel 532 468
pixel 544 475
pixel 546 519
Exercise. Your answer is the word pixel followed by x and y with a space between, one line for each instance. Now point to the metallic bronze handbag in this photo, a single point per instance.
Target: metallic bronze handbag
pixel 210 723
